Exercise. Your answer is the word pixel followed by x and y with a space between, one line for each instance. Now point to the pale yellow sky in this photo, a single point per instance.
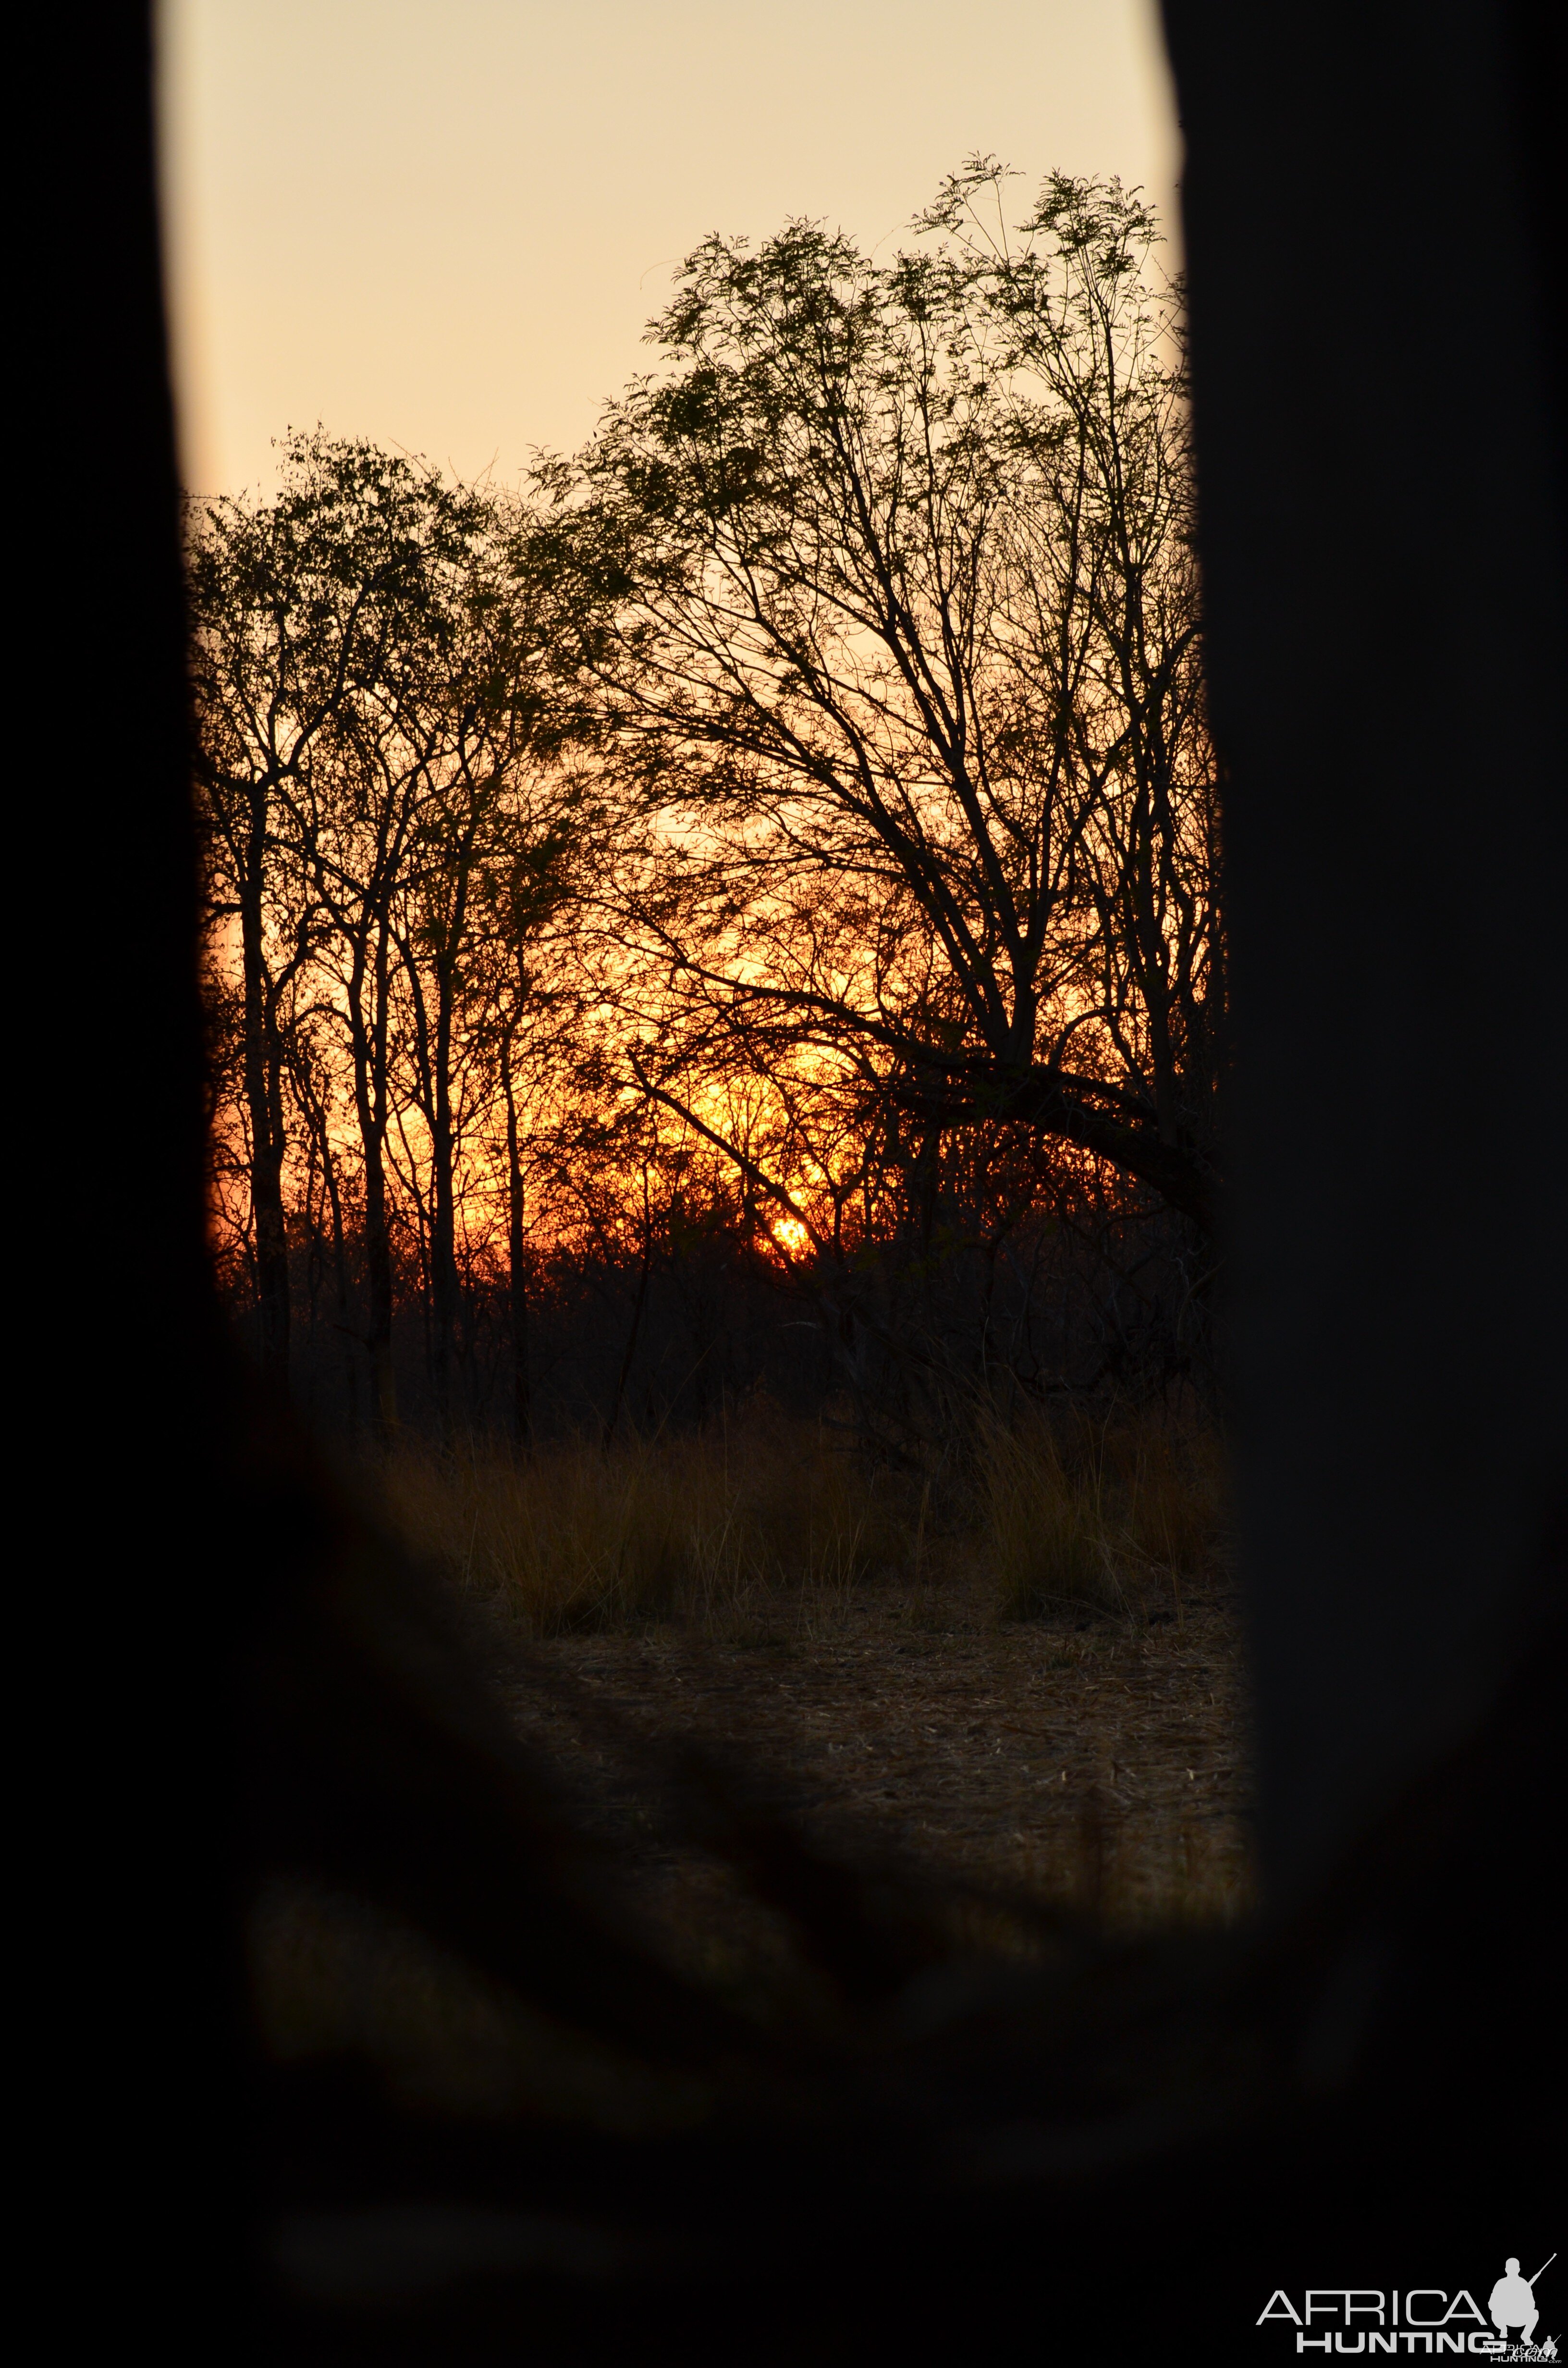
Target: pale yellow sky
pixel 443 224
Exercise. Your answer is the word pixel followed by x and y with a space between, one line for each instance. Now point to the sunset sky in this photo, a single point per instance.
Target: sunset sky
pixel 443 224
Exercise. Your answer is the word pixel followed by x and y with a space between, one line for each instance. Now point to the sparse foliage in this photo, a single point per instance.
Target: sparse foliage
pixel 776 862
pixel 898 635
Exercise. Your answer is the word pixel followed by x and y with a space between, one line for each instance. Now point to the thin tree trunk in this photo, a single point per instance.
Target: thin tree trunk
pixel 522 1408
pixel 444 1286
pixel 445 1290
pixel 340 1274
pixel 370 1098
pixel 264 1105
pixel 378 1283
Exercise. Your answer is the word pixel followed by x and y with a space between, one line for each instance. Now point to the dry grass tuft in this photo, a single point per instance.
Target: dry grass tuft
pixel 1091 1512
pixel 735 1524
pixel 571 1537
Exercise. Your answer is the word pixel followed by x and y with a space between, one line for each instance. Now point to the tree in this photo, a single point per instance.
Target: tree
pixel 301 616
pixel 278 626
pixel 905 670
pixel 385 799
pixel 528 1009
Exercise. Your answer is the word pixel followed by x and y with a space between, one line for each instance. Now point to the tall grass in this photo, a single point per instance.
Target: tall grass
pixel 571 1536
pixel 1080 1510
pixel 1036 1512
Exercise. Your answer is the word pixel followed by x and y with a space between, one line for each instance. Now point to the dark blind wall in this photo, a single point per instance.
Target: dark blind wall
pixel 1382 539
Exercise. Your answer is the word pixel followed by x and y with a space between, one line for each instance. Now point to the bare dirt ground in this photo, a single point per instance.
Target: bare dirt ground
pixel 1092 1762
pixel 1095 1761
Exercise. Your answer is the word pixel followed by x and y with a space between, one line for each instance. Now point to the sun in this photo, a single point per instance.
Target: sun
pixel 790 1236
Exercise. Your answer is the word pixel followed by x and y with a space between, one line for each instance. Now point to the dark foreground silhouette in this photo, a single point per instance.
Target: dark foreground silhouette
pixel 1116 2141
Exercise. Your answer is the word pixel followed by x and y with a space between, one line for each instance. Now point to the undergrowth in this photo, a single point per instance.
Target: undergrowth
pixel 1035 1512
pixel 573 1536
pixel 1095 1510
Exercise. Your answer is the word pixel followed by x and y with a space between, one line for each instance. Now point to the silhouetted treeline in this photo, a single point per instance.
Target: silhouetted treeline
pixel 894 1344
pixel 740 914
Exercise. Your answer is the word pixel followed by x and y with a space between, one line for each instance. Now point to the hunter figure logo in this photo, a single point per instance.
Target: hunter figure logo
pixel 1421 2321
pixel 1512 2303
